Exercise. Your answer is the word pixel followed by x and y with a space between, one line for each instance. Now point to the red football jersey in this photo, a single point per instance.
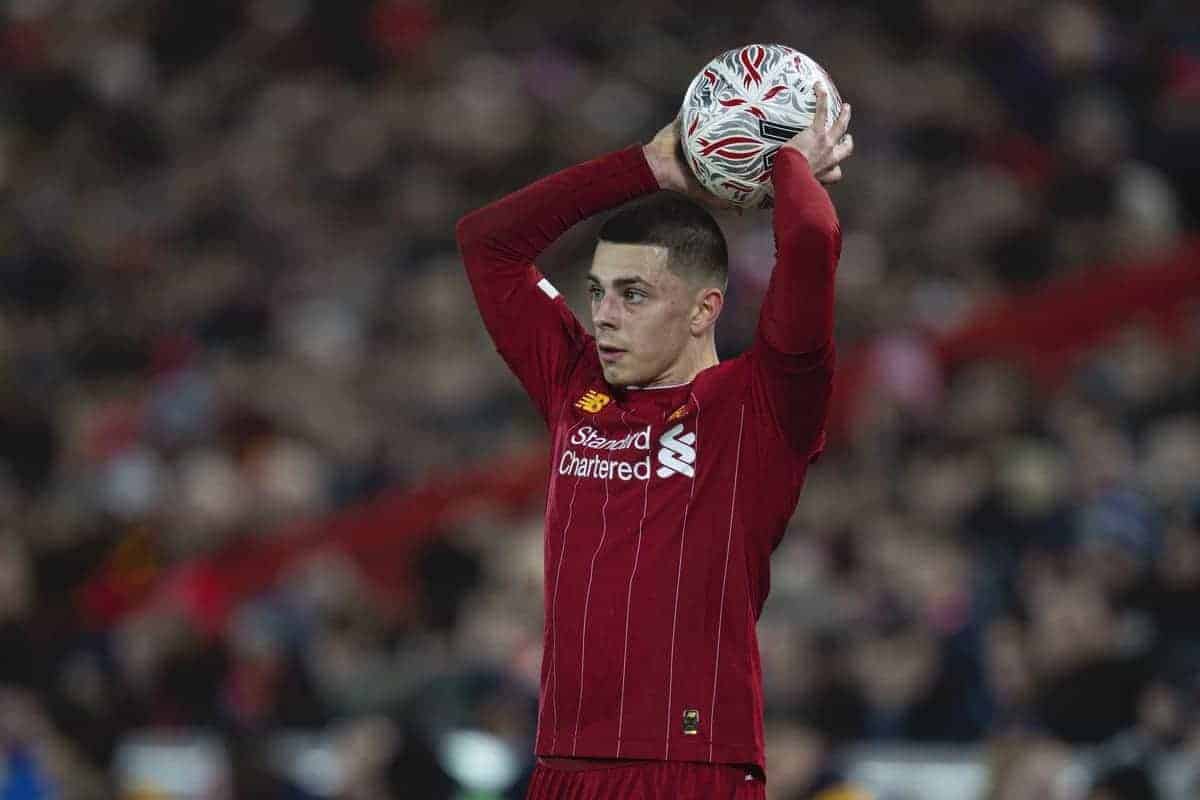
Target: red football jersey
pixel 663 504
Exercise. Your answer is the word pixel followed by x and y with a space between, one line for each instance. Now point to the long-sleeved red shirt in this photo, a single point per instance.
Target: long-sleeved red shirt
pixel 663 504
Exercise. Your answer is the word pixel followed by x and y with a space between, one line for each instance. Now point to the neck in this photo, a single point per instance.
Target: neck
pixel 693 361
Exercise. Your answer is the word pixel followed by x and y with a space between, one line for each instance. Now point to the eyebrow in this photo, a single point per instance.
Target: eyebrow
pixel 622 281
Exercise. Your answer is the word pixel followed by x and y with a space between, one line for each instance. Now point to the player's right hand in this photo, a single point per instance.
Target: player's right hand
pixel 664 154
pixel 824 149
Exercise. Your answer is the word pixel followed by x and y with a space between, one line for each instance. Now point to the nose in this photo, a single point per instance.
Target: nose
pixel 607 313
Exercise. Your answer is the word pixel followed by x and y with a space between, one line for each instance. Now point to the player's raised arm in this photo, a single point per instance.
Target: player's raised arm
pixel 532 326
pixel 794 349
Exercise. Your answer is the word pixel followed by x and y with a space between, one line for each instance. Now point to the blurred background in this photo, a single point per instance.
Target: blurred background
pixel 270 504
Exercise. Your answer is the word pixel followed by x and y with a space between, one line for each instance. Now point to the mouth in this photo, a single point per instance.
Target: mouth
pixel 608 353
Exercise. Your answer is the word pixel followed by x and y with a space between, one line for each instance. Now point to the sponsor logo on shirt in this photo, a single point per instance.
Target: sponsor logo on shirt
pixel 600 467
pixel 677 453
pixel 593 402
pixel 588 437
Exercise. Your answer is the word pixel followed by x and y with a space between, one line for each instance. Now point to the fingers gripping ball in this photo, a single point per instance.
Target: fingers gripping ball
pixel 740 108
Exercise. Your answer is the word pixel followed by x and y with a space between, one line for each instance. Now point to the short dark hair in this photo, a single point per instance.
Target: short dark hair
pixel 695 244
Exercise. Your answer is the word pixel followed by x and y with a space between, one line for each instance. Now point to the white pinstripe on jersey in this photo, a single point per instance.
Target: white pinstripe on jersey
pixel 737 464
pixel 628 604
pixel 678 580
pixel 587 599
pixel 554 606
pixel 551 505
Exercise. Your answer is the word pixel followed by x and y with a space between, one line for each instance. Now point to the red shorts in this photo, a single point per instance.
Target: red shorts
pixel 652 780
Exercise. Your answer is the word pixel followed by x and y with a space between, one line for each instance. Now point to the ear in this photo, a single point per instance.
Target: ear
pixel 706 309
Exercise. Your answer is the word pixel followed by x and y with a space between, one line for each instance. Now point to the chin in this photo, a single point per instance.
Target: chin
pixel 616 378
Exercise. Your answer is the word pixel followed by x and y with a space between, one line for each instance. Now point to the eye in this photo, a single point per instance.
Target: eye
pixel 595 292
pixel 634 295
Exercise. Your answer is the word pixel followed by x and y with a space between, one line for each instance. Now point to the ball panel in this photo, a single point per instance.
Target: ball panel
pixel 740 108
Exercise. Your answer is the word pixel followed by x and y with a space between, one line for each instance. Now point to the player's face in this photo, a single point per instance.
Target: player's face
pixel 640 314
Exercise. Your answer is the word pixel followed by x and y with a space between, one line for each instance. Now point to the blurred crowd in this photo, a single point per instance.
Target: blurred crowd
pixel 230 300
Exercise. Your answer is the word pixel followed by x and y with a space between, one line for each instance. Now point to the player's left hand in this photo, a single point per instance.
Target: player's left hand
pixel 664 153
pixel 825 149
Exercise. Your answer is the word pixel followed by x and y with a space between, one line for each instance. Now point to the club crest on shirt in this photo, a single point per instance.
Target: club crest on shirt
pixel 677 456
pixel 593 402
pixel 679 413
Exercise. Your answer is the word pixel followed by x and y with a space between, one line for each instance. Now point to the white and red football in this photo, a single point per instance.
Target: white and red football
pixel 740 108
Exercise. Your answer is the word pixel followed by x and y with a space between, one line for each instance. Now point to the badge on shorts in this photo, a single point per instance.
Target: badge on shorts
pixel 691 721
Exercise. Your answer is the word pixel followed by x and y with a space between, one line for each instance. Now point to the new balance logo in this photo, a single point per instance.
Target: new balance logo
pixel 677 453
pixel 593 402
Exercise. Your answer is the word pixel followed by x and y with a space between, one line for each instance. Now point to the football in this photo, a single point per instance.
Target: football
pixel 740 108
